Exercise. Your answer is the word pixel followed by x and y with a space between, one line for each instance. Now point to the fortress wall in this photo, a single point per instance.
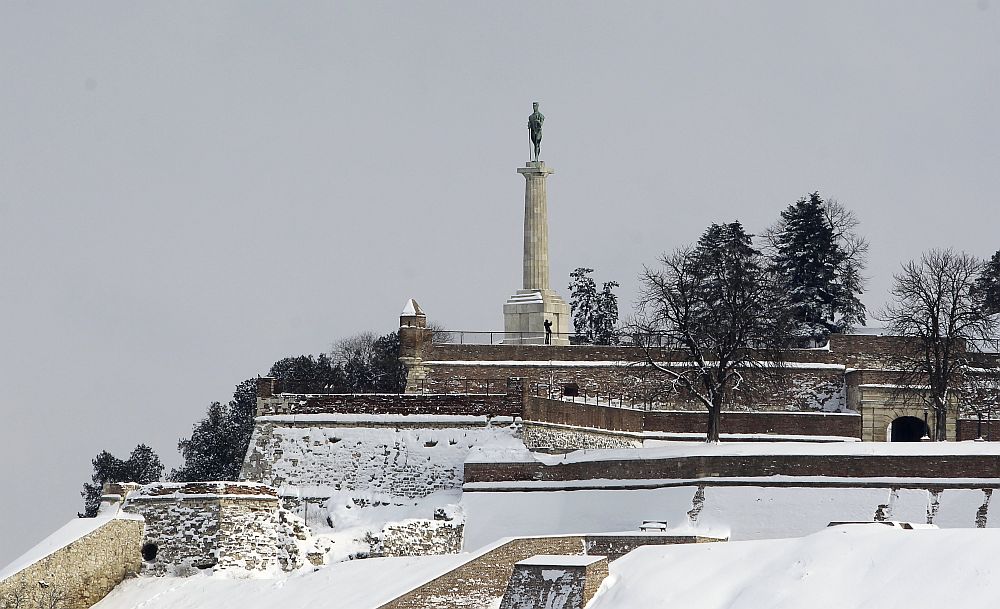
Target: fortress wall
pixel 81 572
pixel 375 455
pixel 562 412
pixel 968 429
pixel 821 388
pixel 741 466
pixel 499 403
pixel 550 437
pixel 202 525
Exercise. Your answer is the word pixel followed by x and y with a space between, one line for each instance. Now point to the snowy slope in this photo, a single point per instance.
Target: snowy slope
pixel 357 584
pixel 849 567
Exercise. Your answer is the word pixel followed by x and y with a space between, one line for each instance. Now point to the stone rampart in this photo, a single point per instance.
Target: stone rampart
pixel 419 537
pixel 369 454
pixel 802 387
pixel 554 582
pixel 80 573
pixel 203 525
pixel 496 404
pixel 544 436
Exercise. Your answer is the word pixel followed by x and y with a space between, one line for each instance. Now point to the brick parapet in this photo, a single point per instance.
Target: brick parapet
pixel 741 466
pixel 563 412
pixel 968 429
pixel 498 404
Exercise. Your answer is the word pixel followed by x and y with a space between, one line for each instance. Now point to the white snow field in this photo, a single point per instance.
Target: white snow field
pixel 742 512
pixel 846 567
pixel 355 584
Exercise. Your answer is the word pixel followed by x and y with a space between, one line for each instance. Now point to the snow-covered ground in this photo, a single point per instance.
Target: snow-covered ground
pixel 742 512
pixel 356 584
pixel 846 567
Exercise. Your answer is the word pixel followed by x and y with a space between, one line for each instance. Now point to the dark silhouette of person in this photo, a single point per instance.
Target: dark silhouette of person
pixel 548 332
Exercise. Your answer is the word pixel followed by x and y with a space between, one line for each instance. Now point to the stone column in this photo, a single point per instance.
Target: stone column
pixel 526 312
pixel 536 226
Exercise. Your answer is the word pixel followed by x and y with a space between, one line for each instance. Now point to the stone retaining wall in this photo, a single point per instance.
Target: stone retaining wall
pixel 553 582
pixel 419 537
pixel 81 573
pixel 483 579
pixel 203 525
pixel 578 414
pixel 544 436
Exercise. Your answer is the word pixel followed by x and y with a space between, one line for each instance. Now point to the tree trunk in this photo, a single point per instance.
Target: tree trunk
pixel 940 424
pixel 714 414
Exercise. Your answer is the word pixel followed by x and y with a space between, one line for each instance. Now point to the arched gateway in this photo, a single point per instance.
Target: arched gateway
pixel 907 429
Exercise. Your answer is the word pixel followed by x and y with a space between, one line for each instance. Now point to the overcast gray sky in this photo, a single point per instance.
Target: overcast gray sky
pixel 192 190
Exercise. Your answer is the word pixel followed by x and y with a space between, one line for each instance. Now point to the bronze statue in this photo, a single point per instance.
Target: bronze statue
pixel 535 128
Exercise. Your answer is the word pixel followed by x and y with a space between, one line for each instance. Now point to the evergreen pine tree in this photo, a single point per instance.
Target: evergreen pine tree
pixel 988 285
pixel 822 282
pixel 605 326
pixel 142 466
pixel 595 314
pixel 309 374
pixel 219 442
pixel 582 301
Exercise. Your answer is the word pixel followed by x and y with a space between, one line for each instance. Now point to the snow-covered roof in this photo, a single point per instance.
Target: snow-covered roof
pixel 412 308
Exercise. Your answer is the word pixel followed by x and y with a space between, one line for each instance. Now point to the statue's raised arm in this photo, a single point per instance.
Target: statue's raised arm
pixel 535 128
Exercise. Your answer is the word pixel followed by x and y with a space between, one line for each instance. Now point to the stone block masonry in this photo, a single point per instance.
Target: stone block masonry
pixel 206 525
pixel 392 457
pixel 80 573
pixel 554 582
pixel 419 537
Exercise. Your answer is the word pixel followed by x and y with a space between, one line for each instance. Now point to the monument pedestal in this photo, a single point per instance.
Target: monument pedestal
pixel 524 316
pixel 525 313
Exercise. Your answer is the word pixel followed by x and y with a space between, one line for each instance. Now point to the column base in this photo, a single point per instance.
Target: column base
pixel 524 316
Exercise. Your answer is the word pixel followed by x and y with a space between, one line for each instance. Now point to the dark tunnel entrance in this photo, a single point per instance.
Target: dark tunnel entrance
pixel 907 429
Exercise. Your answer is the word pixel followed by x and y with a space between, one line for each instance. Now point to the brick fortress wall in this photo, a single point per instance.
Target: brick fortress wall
pixel 562 412
pixel 740 466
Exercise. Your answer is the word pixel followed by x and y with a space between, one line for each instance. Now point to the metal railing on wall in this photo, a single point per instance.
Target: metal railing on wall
pixel 485 337
pixel 611 398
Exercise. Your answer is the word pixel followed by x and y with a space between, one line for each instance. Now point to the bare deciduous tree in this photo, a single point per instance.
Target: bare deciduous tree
pixel 713 313
pixel 934 301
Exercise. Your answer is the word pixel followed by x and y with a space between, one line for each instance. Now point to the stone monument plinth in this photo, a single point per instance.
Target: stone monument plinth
pixel 526 312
